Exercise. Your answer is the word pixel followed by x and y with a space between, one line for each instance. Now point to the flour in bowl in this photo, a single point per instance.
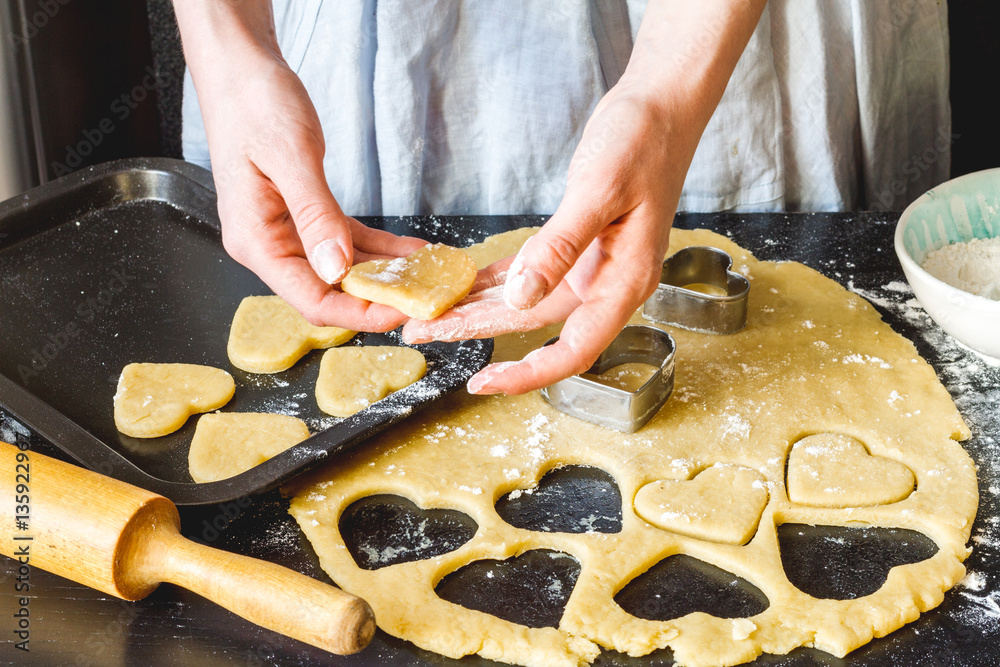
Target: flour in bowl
pixel 971 266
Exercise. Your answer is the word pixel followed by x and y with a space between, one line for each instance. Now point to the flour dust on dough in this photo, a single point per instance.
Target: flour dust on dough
pixel 813 359
pixel 269 336
pixel 154 400
pixel 352 378
pixel 228 443
pixel 422 285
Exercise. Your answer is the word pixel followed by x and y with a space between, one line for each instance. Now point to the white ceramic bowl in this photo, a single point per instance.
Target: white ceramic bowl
pixel 961 209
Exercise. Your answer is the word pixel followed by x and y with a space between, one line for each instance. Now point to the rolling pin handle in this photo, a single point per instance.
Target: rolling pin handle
pixel 266 594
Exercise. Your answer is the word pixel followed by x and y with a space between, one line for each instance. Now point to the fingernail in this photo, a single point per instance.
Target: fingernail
pixel 480 383
pixel 329 262
pixel 524 288
pixel 411 338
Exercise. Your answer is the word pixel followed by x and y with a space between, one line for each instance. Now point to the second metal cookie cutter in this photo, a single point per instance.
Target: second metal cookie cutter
pixel 615 408
pixel 697 291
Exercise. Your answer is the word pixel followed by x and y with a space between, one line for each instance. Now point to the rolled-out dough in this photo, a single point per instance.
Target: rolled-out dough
pixel 153 400
pixel 228 443
pixel 422 286
pixel 498 246
pixel 813 359
pixel 630 376
pixel 269 336
pixel 352 378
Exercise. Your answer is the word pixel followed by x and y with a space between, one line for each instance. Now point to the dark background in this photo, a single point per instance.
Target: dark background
pixel 87 54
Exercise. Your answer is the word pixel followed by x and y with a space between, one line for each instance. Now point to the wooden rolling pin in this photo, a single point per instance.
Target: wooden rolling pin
pixel 125 541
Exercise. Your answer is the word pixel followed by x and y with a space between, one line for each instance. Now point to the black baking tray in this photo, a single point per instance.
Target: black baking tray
pixel 124 263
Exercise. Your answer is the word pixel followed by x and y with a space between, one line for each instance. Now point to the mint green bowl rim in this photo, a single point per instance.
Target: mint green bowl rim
pixel 974 188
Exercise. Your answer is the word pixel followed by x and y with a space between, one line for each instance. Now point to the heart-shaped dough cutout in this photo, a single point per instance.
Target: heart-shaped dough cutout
pixel 156 399
pixel 352 378
pixel 269 336
pixel 834 470
pixel 421 286
pixel 228 443
pixel 722 503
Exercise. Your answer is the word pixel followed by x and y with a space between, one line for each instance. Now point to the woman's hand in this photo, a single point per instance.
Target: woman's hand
pixel 597 258
pixel 278 216
pixel 600 255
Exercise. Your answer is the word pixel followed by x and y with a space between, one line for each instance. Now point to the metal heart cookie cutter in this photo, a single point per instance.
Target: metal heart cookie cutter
pixel 697 291
pixel 615 408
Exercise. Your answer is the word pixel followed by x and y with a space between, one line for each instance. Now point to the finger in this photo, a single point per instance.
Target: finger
pixel 383 243
pixel 485 314
pixel 293 279
pixel 360 257
pixel 549 255
pixel 493 275
pixel 323 228
pixel 587 333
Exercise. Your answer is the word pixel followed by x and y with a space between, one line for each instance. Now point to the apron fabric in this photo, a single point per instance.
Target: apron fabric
pixel 472 107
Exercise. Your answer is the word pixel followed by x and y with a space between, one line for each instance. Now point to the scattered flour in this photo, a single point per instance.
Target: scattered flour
pixel 537 436
pixel 413 533
pixel 10 429
pixel 974 581
pixel 391 272
pixel 736 426
pixel 282 538
pixel 866 359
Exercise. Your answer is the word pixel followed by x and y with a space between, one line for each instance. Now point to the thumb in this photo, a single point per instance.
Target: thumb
pixel 549 255
pixel 323 228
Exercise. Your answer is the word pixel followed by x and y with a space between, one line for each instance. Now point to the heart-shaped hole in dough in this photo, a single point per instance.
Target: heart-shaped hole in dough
pixel 723 503
pixel 571 499
pixel 836 470
pixel 531 589
pixel 269 336
pixel 679 585
pixel 154 400
pixel 841 563
pixel 384 530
